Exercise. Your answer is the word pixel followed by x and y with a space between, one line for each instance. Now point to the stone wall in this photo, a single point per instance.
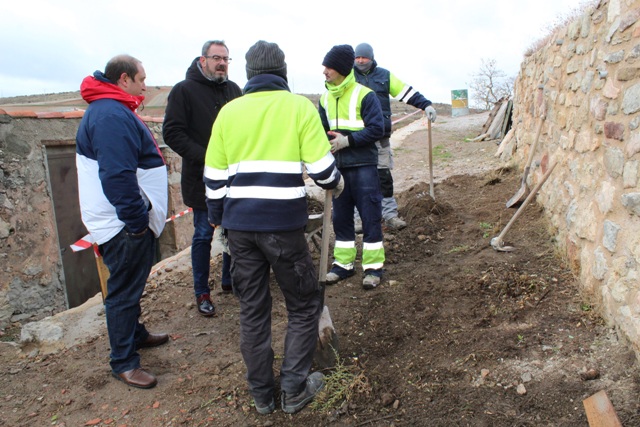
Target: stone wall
pixel 585 80
pixel 31 279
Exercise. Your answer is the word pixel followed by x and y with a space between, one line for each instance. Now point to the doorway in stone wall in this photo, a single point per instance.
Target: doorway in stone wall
pixel 80 272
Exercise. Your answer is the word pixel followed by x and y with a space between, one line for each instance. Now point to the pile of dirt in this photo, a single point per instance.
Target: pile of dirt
pixel 456 334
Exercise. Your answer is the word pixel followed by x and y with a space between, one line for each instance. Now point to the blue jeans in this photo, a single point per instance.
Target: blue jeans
pixel 129 260
pixel 201 254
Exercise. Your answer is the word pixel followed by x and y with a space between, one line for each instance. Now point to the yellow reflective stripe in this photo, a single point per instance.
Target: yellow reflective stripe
pixel 344 254
pixel 216 174
pixel 354 102
pixel 372 256
pixel 262 192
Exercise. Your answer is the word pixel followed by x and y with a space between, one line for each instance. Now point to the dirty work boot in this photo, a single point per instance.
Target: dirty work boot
pixel 395 223
pixel 292 404
pixel 337 274
pixel 371 279
pixel 265 408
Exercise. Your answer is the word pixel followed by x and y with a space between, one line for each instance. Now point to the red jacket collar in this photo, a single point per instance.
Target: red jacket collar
pixel 93 89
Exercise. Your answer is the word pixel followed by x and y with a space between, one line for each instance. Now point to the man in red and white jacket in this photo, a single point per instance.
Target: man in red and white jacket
pixel 122 182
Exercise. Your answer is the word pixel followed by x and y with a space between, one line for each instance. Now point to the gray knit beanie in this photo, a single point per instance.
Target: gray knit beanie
pixel 364 50
pixel 265 58
pixel 340 58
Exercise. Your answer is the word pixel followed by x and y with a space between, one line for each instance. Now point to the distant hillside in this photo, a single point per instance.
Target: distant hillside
pixel 154 104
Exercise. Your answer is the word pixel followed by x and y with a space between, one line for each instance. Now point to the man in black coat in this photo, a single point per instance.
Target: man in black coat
pixel 192 107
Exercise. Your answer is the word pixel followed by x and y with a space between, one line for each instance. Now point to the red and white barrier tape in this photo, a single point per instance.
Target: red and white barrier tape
pixel 87 241
pixel 178 215
pixel 406 117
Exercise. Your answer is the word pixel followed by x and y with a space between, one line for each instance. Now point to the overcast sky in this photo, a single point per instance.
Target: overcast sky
pixel 50 46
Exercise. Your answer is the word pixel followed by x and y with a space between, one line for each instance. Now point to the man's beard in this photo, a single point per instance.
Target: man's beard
pixel 216 77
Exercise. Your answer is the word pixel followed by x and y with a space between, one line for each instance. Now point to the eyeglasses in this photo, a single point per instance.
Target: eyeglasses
pixel 218 58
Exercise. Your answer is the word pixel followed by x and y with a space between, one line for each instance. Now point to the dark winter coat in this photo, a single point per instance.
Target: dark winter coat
pixel 384 83
pixel 192 107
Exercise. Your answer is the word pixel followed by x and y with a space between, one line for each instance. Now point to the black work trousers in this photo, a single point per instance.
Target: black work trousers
pixel 253 254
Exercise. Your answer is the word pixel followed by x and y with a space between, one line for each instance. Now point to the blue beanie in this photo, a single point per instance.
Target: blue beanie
pixel 340 58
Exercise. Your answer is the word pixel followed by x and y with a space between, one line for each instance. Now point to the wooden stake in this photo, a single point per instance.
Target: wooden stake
pixel 103 272
pixel 600 411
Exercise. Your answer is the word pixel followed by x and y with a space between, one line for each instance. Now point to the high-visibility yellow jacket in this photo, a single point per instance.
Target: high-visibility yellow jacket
pixel 353 110
pixel 254 161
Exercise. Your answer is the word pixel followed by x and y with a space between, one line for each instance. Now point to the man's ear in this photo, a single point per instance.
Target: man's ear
pixel 123 78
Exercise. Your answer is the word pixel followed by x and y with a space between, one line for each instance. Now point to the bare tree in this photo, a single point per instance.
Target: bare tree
pixel 489 85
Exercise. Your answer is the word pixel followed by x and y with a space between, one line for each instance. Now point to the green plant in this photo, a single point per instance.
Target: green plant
pixel 461 248
pixel 439 152
pixel 520 339
pixel 486 229
pixel 340 385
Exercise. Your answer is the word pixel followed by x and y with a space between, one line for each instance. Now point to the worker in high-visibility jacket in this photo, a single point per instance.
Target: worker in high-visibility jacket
pixel 352 116
pixel 253 174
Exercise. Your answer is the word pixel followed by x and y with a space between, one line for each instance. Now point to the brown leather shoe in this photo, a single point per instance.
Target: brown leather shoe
pixel 137 377
pixel 154 340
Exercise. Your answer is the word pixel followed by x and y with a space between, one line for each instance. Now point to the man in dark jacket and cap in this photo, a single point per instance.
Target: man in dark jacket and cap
pixel 192 107
pixel 385 84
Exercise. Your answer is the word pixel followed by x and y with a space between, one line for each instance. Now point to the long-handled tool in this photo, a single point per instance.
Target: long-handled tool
pixel 327 346
pixel 497 242
pixel 523 192
pixel 431 192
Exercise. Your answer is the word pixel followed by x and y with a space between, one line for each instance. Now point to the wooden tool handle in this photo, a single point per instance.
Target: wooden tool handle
pixel 525 203
pixel 534 144
pixel 326 227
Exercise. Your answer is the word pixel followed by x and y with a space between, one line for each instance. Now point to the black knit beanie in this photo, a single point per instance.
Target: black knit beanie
pixel 364 50
pixel 340 58
pixel 265 58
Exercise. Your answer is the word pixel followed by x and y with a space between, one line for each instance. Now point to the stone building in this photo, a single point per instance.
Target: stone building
pixel 40 216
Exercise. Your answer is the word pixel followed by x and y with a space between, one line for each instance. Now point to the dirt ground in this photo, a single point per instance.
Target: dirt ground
pixel 457 334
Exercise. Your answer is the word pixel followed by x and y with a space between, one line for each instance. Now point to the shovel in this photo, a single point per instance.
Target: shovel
pixel 497 242
pixel 431 192
pixel 327 346
pixel 523 192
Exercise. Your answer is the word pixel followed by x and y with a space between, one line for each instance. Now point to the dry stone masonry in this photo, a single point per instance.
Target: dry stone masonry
pixel 585 79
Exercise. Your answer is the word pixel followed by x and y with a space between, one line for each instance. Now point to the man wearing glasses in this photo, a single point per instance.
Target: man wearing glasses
pixel 192 107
